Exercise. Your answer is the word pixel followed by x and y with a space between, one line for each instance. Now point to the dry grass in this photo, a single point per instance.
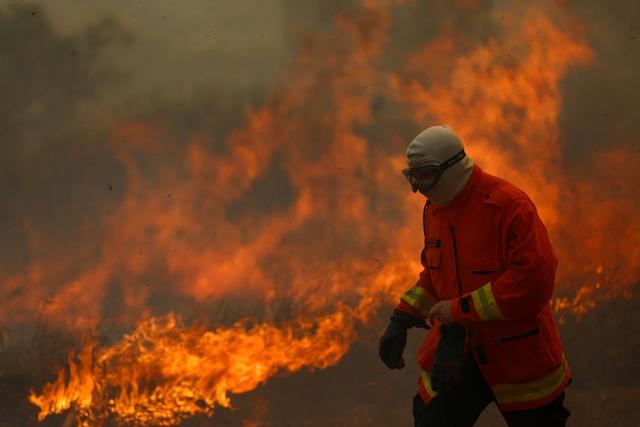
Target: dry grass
pixel 604 349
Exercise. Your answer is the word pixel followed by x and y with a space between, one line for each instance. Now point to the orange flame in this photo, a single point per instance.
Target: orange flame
pixel 162 373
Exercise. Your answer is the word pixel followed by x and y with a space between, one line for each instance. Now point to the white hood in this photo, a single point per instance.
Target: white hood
pixel 436 145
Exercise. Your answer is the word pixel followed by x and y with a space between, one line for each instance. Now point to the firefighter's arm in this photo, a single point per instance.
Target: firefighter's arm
pixel 527 284
pixel 419 299
pixel 410 312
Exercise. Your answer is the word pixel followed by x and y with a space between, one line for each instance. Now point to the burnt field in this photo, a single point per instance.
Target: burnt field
pixel 603 348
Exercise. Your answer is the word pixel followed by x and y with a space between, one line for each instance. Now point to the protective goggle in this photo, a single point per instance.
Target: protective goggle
pixel 428 176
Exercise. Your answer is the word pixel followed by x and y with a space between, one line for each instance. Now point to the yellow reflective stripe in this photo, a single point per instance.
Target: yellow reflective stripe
pixel 485 303
pixel 418 298
pixel 426 382
pixel 533 390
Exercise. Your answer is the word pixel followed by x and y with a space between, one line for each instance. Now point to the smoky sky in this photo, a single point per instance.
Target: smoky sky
pixel 68 69
pixel 601 102
pixel 52 88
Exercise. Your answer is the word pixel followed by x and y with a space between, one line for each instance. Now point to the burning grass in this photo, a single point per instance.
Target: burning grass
pixel 358 390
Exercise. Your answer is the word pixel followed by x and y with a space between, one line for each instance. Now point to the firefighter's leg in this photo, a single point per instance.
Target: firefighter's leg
pixel 460 410
pixel 554 414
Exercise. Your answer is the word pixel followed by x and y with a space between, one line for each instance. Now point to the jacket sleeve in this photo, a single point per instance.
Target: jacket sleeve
pixel 419 298
pixel 527 284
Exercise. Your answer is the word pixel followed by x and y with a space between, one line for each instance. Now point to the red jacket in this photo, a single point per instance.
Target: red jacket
pixel 489 252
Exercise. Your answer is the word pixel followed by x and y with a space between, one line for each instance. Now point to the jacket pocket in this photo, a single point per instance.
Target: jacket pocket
pixel 483 265
pixel 520 356
pixel 432 254
pixel 532 332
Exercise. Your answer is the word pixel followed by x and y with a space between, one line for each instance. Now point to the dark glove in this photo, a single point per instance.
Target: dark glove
pixel 394 338
pixel 446 375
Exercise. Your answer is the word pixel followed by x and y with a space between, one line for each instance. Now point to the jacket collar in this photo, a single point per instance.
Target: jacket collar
pixel 463 195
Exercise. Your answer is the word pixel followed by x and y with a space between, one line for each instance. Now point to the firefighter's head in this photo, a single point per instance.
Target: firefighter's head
pixel 438 166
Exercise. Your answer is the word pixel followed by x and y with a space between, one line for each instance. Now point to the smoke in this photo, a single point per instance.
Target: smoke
pixel 599 109
pixel 600 134
pixel 52 153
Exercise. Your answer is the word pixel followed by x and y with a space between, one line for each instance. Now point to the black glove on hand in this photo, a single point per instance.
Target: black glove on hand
pixel 446 376
pixel 394 338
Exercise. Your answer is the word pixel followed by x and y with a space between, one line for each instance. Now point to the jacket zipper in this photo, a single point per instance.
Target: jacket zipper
pixel 467 330
pixel 455 257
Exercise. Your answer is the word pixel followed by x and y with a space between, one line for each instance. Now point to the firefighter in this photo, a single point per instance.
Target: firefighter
pixel 485 290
